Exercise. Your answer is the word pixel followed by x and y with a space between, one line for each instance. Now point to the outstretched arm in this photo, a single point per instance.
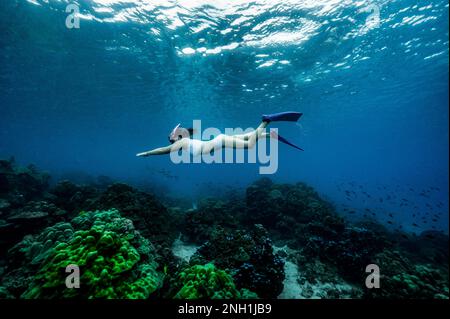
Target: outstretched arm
pixel 166 149
pixel 157 151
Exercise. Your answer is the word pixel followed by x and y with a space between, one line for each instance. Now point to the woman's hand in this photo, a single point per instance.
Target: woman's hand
pixel 156 151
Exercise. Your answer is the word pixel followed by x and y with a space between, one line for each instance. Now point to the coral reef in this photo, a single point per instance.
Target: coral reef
pixel 310 278
pixel 280 207
pixel 319 280
pixel 21 184
pixel 19 216
pixel 210 213
pixel 296 215
pixel 32 217
pixel 248 256
pixel 25 258
pixel 73 198
pixel 350 251
pixel 206 281
pixel 148 214
pixel 114 260
pixel 128 244
pixel 429 247
pixel 402 279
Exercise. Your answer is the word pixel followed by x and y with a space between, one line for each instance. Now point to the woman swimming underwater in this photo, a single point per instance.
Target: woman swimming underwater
pixel 180 138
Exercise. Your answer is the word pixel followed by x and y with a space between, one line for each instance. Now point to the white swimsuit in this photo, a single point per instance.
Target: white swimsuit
pixel 195 146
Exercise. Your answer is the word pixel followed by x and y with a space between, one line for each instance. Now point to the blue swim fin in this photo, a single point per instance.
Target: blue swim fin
pixel 283 116
pixel 273 134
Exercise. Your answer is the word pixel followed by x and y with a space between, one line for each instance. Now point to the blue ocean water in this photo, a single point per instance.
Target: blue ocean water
pixel 371 78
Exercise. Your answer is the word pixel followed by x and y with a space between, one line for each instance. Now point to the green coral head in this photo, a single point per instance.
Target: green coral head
pixel 207 281
pixel 108 258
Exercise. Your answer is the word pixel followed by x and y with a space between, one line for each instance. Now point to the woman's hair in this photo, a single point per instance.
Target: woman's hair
pixel 180 132
pixel 191 131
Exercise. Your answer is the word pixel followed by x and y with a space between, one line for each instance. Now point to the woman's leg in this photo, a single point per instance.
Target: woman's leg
pixel 247 140
pixel 246 136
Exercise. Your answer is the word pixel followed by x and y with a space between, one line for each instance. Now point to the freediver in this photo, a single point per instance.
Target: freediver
pixel 181 138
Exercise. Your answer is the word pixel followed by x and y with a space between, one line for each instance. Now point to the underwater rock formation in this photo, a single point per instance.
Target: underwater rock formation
pixel 21 184
pixel 248 256
pixel 23 202
pixel 198 223
pixel 34 216
pixel 428 247
pixel 73 198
